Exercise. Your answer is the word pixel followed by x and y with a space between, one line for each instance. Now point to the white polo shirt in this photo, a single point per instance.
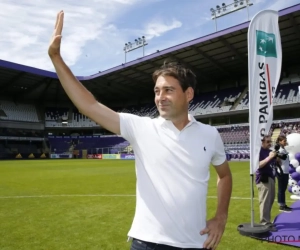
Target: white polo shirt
pixel 172 169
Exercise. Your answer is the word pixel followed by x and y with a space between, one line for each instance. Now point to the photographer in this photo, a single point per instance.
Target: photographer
pixel 265 181
pixel 283 175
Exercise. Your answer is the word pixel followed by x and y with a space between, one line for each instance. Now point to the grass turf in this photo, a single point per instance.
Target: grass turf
pixel 69 204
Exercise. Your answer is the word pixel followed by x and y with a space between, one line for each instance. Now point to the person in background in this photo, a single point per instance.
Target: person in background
pixel 265 181
pixel 283 178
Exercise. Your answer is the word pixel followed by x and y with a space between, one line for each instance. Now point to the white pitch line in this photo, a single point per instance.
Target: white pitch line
pixel 101 195
pixel 244 198
pixel 233 198
pixel 66 195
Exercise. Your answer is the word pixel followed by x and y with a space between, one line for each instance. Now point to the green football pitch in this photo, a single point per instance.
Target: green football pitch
pixel 89 204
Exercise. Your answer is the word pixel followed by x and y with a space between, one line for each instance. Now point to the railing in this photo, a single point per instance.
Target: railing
pixel 106 150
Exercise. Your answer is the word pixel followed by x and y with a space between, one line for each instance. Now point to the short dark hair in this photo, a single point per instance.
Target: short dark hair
pixel 280 138
pixel 179 71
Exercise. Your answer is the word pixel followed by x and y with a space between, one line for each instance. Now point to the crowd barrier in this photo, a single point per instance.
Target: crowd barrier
pixel 111 156
pixel 94 156
pixel 127 157
pixel 230 157
pixel 61 156
pixel 132 157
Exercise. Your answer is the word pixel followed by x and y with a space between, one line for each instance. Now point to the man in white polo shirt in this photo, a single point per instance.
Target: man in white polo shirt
pixel 173 155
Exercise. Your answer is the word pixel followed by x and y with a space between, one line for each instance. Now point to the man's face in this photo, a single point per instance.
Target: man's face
pixel 170 99
pixel 267 143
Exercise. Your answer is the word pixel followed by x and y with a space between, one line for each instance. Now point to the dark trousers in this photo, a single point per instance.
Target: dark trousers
pixel 283 181
pixel 143 245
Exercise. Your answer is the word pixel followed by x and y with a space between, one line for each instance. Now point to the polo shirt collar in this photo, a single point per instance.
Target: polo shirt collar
pixel 190 117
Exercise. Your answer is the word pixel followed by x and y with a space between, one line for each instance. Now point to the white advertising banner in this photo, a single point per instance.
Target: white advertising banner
pixel 264 69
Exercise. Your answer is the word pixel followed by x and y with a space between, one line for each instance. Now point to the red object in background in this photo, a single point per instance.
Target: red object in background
pixel 94 156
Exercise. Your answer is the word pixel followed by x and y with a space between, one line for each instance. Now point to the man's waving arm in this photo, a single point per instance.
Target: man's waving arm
pixel 79 95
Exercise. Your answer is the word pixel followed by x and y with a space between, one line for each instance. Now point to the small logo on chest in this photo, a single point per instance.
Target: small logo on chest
pixel 204 148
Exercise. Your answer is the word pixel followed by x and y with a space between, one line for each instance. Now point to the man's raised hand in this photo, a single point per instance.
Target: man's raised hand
pixel 54 47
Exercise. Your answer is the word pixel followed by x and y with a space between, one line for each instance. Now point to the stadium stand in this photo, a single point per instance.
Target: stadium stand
pixel 206 103
pixel 18 112
pixel 235 137
pixel 12 147
pixel 235 134
pixel 55 115
pixel 145 110
pixel 286 93
pixel 20 132
pixel 25 147
pixel 52 114
pixel 213 102
pixel 94 144
pixel 4 152
pixel 80 120
pixel 288 127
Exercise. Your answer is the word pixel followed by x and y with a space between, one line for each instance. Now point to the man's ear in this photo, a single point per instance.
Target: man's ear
pixel 189 94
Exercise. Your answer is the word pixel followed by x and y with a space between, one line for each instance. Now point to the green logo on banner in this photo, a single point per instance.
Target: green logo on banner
pixel 266 44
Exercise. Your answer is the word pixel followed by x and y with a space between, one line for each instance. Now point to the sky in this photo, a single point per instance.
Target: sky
pixel 95 31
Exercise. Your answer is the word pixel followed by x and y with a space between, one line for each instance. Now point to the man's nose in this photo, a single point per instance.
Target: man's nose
pixel 161 96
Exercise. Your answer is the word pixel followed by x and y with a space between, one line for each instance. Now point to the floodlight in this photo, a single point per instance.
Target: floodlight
pixel 224 6
pixel 138 43
pixel 225 9
pixel 140 40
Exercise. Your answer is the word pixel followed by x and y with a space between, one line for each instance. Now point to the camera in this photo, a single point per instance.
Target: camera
pixel 281 156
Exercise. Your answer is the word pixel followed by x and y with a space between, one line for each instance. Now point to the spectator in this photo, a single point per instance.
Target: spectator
pixel 265 182
pixel 283 178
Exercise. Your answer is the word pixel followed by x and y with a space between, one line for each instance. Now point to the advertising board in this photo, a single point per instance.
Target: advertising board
pixel 127 156
pixel 94 156
pixel 111 156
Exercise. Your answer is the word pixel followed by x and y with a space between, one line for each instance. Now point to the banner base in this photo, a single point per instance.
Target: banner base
pixel 295 197
pixel 257 230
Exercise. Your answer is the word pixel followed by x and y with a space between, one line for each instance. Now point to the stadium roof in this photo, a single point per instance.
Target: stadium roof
pixel 215 57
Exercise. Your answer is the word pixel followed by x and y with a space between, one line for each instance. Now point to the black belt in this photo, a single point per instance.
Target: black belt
pixel 162 246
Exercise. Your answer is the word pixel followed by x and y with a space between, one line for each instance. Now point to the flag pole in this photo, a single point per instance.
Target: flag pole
pixel 252 200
